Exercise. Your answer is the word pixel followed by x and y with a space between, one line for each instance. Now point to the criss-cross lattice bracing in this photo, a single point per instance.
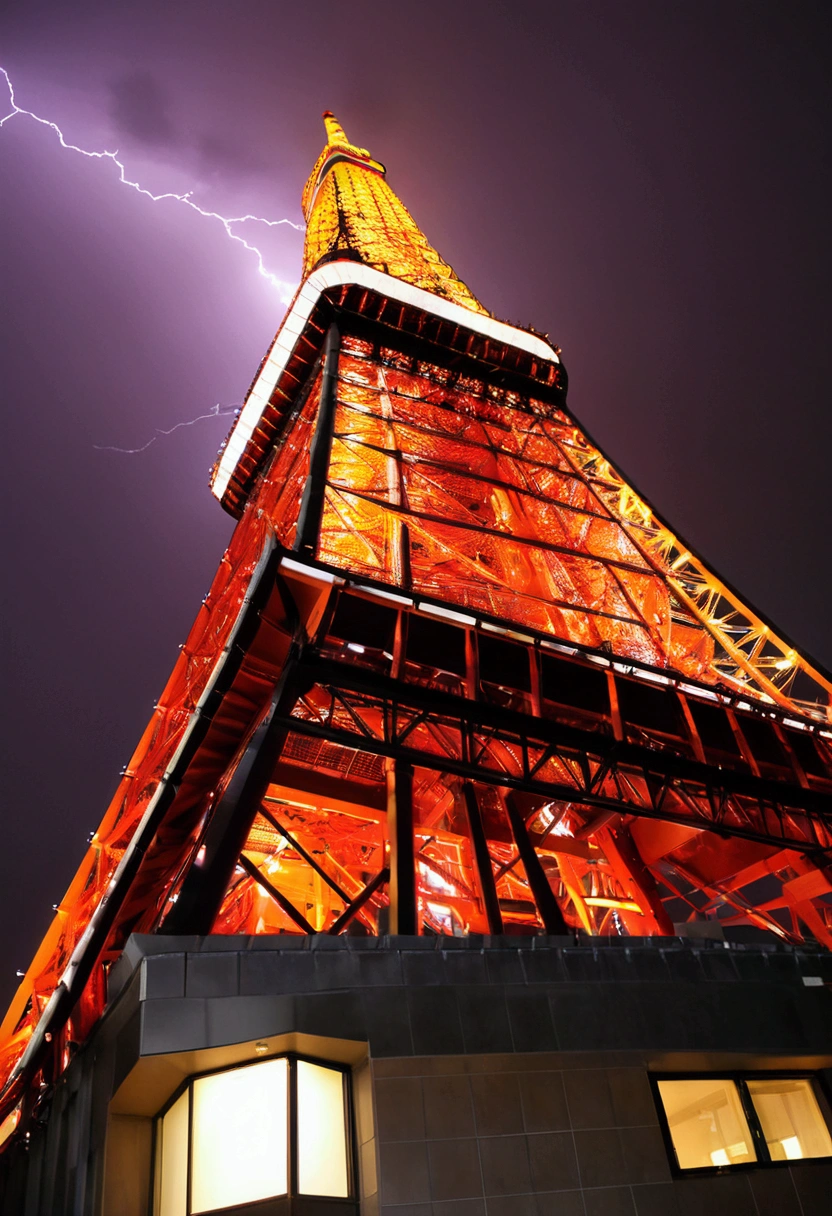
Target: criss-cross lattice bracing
pixel 453 675
pixel 501 505
pixel 748 653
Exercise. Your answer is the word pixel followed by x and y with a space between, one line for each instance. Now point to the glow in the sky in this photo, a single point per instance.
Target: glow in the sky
pixel 285 288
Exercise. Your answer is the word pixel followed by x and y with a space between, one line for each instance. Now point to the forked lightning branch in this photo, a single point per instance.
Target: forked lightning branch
pixel 284 288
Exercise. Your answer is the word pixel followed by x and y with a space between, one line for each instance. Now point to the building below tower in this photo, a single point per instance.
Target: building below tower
pixel 484 1077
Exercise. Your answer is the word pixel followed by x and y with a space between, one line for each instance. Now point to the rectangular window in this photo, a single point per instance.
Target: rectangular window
pixel 322 1131
pixel 574 684
pixel 172 1159
pixel 765 746
pixel 503 664
pixel 808 751
pixel 436 654
pixel 238 1127
pixel 707 1124
pixel 651 712
pixel 719 1122
pixel 362 633
pixel 791 1119
pixel 715 734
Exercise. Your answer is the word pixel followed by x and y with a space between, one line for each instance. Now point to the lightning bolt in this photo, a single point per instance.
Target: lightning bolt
pixel 218 411
pixel 285 289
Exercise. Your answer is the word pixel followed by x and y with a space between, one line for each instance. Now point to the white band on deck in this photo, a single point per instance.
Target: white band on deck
pixel 337 274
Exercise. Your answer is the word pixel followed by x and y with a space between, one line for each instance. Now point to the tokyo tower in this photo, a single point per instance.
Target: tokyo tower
pixel 454 675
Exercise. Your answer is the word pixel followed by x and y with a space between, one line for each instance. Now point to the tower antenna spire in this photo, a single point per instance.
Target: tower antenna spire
pixel 335 133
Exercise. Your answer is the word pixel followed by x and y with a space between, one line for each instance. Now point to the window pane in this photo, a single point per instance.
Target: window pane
pixel 706 1123
pixel 172 1159
pixel 322 1131
pixel 791 1119
pixel 239 1136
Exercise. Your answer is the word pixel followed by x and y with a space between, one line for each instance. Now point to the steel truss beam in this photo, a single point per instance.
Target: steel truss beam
pixel 751 654
pixel 279 898
pixel 362 710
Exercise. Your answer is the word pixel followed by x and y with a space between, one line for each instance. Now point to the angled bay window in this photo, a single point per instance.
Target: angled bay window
pixel 714 1123
pixel 275 1129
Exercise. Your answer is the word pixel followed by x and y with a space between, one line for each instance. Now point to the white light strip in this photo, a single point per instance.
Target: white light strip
pixel 487 627
pixel 703 693
pixel 558 646
pixel 461 618
pixel 311 572
pixel 338 274
pixel 404 600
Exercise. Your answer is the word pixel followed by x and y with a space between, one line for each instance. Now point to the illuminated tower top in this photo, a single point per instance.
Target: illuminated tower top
pixel 351 212
pixel 360 239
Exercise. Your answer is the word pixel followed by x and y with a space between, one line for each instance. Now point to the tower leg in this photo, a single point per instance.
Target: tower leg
pixel 542 893
pixel 312 503
pixel 482 860
pixel 205 885
pixel 625 859
pixel 402 861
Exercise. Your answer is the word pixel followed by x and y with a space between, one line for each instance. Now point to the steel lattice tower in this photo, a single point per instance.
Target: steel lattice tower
pixel 454 675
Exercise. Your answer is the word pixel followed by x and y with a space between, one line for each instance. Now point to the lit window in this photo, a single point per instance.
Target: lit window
pixel 172 1158
pixel 718 1122
pixel 791 1119
pixel 322 1131
pixel 707 1124
pixel 225 1141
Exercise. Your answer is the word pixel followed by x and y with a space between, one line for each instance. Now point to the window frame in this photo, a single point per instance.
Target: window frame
pixel 347 1203
pixel 758 1139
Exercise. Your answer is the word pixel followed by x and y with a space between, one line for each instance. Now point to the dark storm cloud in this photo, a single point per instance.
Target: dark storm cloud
pixel 219 155
pixel 140 107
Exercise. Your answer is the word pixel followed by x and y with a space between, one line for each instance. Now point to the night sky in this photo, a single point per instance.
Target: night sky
pixel 648 183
